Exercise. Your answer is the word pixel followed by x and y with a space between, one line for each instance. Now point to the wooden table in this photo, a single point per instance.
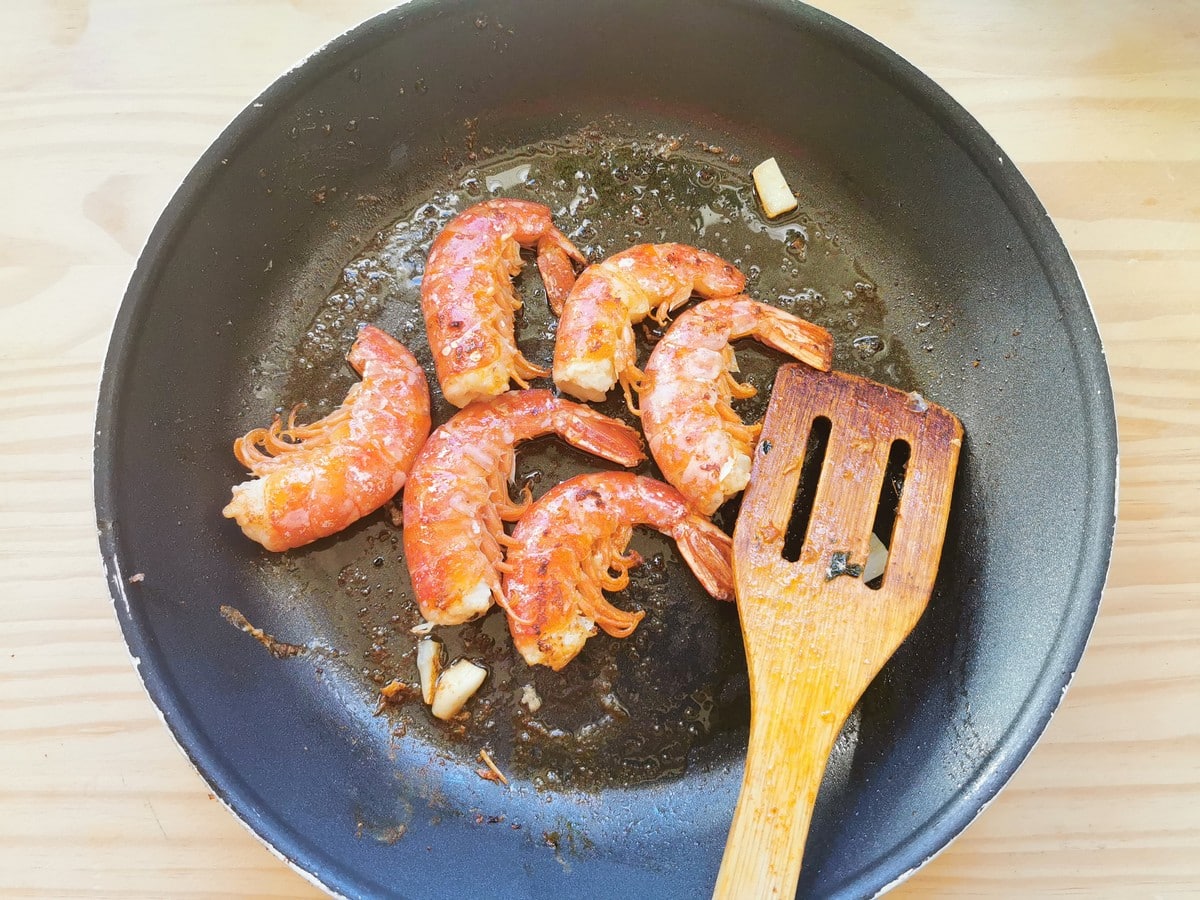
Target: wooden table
pixel 105 105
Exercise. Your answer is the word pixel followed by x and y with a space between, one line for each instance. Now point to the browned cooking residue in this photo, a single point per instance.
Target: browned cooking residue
pixel 395 513
pixel 278 649
pixel 394 693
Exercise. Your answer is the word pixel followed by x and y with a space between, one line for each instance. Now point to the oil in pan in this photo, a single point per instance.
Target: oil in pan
pixel 624 711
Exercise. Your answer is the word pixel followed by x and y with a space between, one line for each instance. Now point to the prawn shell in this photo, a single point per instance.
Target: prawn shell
pixel 456 499
pixel 701 446
pixel 468 299
pixel 344 466
pixel 566 544
pixel 595 345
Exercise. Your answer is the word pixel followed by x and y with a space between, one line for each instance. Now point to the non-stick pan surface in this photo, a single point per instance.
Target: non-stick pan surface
pixel 971 294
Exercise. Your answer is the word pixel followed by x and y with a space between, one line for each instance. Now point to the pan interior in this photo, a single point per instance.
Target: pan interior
pixel 626 712
pixel 313 214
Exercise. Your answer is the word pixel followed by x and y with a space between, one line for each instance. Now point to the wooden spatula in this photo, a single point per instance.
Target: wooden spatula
pixel 815 634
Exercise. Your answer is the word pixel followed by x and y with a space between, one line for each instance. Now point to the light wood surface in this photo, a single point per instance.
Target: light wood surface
pixel 105 105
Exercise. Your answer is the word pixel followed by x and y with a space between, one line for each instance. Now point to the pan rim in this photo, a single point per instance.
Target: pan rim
pixel 1013 748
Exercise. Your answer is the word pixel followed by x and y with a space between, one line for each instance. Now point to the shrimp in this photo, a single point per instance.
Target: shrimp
pixel 456 498
pixel 700 444
pixel 314 480
pixel 468 299
pixel 570 543
pixel 595 347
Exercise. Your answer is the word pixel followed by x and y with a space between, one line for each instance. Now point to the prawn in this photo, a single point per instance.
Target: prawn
pixel 594 347
pixel 456 499
pixel 313 480
pixel 469 302
pixel 701 445
pixel 571 544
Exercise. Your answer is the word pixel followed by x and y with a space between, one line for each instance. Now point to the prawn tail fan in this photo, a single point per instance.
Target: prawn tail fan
pixel 708 552
pixel 608 438
pixel 558 275
pixel 809 343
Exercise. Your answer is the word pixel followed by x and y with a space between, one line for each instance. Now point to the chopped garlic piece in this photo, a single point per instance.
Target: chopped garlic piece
pixel 529 697
pixel 429 666
pixel 876 560
pixel 455 687
pixel 773 191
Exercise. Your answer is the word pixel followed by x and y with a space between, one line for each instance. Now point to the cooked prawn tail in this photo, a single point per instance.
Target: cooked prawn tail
pixel 799 339
pixel 601 435
pixel 708 552
pixel 554 256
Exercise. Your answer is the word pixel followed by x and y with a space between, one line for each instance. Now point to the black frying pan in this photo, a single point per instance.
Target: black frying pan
pixel 914 229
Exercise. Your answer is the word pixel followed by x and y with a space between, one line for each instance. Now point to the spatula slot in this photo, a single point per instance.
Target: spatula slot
pixel 806 491
pixel 889 498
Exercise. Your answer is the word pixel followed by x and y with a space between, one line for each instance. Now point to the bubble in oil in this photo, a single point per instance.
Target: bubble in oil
pixel 868 345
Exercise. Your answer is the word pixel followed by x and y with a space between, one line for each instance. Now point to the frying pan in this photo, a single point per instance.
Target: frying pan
pixel 979 308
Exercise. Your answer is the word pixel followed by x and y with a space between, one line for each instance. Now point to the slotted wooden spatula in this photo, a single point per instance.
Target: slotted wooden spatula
pixel 815 634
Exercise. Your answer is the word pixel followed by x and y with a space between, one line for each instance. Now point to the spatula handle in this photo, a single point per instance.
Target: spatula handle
pixel 785 763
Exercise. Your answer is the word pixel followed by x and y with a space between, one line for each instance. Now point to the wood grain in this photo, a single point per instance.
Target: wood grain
pixel 815 641
pixel 104 106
